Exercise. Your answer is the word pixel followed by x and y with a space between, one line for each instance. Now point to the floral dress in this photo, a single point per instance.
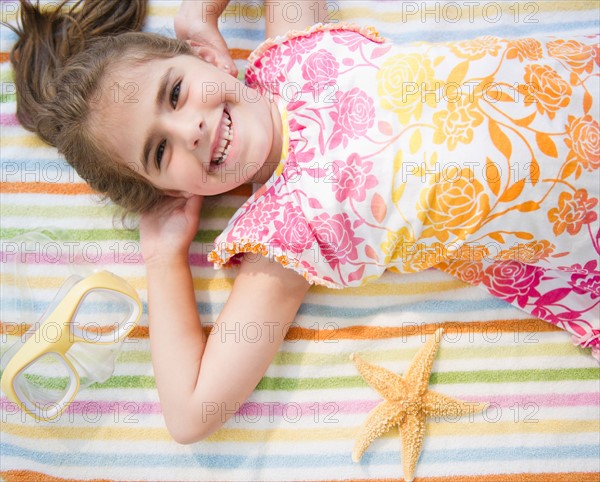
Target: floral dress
pixel 480 158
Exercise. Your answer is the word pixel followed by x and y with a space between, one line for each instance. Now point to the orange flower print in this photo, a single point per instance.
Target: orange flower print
pixel 529 253
pixel 456 124
pixel 525 48
pixel 468 271
pixel 419 256
pixel 477 48
pixel 579 57
pixel 573 211
pixel 584 141
pixel 471 252
pixel 548 89
pixel 456 205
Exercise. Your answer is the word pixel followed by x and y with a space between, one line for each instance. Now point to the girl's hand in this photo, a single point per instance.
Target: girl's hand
pixel 210 46
pixel 206 42
pixel 168 230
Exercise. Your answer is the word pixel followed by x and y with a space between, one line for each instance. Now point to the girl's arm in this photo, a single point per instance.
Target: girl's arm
pixel 202 381
pixel 281 16
pixel 197 22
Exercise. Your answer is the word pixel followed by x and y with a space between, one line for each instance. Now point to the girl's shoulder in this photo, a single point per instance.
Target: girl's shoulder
pixel 346 30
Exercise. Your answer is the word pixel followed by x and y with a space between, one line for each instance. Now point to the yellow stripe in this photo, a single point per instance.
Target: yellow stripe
pixel 221 284
pixel 239 10
pixel 434 429
pixel 460 427
pixel 235 10
pixel 24 140
pixel 476 12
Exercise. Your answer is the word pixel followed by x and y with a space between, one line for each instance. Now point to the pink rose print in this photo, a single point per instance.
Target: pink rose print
pixel 320 69
pixel 295 47
pixel 335 237
pixel 309 269
pixel 270 69
pixel 352 179
pixel 295 163
pixel 349 39
pixel 586 279
pixel 354 116
pixel 251 78
pixel 589 286
pixel 512 280
pixel 293 231
pixel 257 221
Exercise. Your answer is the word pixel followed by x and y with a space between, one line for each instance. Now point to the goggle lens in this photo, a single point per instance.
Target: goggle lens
pixel 45 385
pixel 104 316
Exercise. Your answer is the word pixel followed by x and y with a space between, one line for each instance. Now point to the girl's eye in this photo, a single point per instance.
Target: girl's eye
pixel 174 97
pixel 175 94
pixel 159 153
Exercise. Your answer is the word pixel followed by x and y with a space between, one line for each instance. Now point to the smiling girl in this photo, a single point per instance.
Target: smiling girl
pixel 365 158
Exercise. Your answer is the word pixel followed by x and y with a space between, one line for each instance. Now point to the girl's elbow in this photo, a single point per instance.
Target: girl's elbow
pixel 186 431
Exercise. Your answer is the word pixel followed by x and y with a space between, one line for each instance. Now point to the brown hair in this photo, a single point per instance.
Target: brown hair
pixel 60 59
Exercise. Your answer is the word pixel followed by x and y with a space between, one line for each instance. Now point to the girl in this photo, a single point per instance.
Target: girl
pixel 479 158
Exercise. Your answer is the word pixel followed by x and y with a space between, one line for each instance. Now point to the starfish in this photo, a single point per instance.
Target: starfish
pixel 407 404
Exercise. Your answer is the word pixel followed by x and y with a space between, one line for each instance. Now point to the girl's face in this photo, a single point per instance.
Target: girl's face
pixel 188 127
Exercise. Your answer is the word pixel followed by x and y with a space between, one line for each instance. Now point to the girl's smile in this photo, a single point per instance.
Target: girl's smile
pixel 188 127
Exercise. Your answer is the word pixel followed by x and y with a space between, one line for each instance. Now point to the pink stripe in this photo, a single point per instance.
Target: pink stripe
pixel 546 400
pixel 318 410
pixel 73 252
pixel 9 120
pixel 88 252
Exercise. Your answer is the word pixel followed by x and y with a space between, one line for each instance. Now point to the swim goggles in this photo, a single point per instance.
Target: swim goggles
pixel 74 344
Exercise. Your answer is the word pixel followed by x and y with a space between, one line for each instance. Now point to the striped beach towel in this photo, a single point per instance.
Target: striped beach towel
pixel 543 419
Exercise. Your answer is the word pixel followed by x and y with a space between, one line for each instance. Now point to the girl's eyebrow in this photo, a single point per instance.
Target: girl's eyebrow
pixel 161 94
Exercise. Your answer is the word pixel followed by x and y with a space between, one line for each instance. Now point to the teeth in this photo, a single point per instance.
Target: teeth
pixel 221 151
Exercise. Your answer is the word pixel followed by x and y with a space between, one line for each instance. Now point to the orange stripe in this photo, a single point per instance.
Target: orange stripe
pixel 45 188
pixel 28 476
pixel 547 477
pixel 236 54
pixel 80 188
pixel 360 332
pixel 239 54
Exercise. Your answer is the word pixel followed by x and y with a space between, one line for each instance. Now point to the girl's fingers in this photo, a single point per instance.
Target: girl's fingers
pixel 214 55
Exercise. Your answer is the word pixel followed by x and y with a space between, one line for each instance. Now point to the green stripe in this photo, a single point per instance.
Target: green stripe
pixel 59 212
pixel 7 75
pixel 320 359
pixel 445 353
pixel 99 211
pixel 289 384
pixel 205 236
pixel 134 357
pixel 503 376
pixel 6 98
pixel 447 378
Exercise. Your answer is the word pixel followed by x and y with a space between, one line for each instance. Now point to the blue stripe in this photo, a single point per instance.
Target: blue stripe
pixel 200 459
pixel 424 306
pixel 313 309
pixel 432 35
pixel 506 31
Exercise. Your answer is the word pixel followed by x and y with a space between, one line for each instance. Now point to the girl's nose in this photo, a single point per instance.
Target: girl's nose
pixel 192 130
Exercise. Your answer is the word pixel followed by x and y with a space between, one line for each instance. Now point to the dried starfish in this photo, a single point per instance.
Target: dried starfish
pixel 407 403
